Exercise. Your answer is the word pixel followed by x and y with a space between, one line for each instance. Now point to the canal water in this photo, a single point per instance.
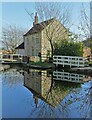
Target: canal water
pixel 45 94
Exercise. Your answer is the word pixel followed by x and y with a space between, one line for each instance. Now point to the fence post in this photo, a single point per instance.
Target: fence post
pixel 78 62
pixel 70 62
pixel 1 56
pixel 11 57
pixel 63 61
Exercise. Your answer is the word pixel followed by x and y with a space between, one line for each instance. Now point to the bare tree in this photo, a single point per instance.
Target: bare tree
pixel 58 17
pixel 85 22
pixel 12 36
pixel 86 25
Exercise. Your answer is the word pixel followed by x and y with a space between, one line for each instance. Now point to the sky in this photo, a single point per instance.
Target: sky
pixel 13 13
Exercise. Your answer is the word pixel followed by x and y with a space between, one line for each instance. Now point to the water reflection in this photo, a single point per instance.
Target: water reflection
pixel 42 85
pixel 39 94
pixel 70 77
pixel 12 78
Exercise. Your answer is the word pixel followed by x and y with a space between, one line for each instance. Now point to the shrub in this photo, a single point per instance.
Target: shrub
pixel 69 48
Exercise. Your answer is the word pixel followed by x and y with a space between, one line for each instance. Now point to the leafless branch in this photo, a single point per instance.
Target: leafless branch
pixel 12 36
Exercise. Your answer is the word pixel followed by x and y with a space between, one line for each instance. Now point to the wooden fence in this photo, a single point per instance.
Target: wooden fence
pixel 16 58
pixel 70 77
pixel 69 61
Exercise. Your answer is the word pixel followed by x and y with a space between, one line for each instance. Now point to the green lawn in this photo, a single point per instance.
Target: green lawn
pixel 43 64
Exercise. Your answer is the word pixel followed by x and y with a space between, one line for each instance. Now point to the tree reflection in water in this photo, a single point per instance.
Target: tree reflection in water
pixel 11 78
pixel 53 95
pixel 52 98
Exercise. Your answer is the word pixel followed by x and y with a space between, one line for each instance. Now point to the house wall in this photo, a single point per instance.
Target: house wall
pixel 20 51
pixel 45 44
pixel 33 46
pixel 55 30
pixel 38 42
pixel 58 30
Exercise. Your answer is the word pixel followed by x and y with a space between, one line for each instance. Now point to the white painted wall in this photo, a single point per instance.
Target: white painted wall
pixel 21 51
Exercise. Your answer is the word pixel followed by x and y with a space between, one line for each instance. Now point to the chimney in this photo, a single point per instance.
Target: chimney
pixel 35 19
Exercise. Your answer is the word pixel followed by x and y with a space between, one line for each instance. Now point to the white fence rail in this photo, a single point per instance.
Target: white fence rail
pixel 70 77
pixel 16 58
pixel 69 60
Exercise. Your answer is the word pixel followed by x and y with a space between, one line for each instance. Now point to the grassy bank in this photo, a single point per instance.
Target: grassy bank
pixel 41 64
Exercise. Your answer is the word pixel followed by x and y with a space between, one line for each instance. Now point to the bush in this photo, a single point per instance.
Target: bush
pixel 69 48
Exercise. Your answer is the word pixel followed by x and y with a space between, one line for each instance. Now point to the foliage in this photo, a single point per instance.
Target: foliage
pixel 69 48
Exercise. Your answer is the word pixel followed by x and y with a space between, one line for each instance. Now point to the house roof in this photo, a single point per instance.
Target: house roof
pixel 39 27
pixel 21 46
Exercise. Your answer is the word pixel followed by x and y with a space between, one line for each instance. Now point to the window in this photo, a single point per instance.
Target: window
pixel 32 52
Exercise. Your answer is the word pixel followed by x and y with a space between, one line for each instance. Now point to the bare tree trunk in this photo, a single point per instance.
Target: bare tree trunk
pixel 51 48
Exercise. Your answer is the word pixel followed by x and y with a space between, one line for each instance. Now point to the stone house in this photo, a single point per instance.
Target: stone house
pixel 36 41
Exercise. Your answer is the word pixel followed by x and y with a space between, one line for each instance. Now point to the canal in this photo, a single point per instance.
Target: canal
pixel 35 93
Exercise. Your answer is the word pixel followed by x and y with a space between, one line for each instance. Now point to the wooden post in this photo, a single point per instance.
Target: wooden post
pixel 78 62
pixel 11 57
pixel 1 58
pixel 70 62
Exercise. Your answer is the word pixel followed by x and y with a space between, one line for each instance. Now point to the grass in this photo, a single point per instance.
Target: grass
pixel 90 62
pixel 43 64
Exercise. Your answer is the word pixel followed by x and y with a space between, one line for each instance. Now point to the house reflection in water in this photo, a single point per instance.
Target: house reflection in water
pixel 42 86
pixel 38 82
